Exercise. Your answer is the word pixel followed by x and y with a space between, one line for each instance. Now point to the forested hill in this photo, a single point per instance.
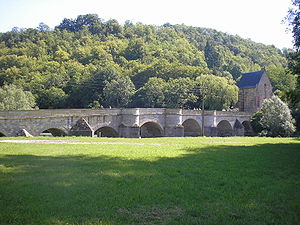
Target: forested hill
pixel 88 62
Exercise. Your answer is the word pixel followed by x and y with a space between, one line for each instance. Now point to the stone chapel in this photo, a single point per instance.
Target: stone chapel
pixel 254 87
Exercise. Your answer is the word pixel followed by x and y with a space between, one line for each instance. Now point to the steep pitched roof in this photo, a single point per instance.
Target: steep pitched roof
pixel 250 80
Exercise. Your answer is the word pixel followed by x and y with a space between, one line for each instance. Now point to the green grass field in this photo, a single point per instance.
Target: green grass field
pixel 203 181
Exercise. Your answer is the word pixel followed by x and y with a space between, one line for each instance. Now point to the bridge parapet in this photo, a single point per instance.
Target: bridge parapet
pixel 45 113
pixel 233 114
pixel 196 112
pixel 174 111
pixel 152 111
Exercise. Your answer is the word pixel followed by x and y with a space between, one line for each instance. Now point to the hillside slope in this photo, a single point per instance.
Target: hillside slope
pixel 75 64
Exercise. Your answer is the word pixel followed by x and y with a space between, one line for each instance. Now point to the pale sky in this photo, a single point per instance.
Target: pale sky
pixel 258 20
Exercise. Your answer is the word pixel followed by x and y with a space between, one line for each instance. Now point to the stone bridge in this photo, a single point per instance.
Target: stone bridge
pixel 131 123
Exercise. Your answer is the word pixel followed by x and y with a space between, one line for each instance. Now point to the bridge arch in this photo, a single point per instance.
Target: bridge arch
pixel 248 128
pixel 151 129
pixel 191 128
pixel 2 134
pixel 224 129
pixel 55 132
pixel 106 131
pixel 238 128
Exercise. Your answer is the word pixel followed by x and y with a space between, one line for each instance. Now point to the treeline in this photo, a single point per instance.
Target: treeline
pixel 89 62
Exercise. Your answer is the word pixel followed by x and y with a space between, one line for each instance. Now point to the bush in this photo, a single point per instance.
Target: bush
pixel 274 119
pixel 256 122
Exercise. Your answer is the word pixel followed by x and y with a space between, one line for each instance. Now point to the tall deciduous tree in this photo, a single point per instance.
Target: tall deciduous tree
pixel 90 21
pixel 14 98
pixel 52 98
pixel 218 92
pixel 281 78
pixel 212 56
pixel 293 19
pixel 152 94
pixel 118 92
pixel 180 93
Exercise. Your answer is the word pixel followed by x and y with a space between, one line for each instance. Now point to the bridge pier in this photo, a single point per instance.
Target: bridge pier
pixel 173 123
pixel 130 121
pixel 210 131
pixel 176 131
pixel 81 128
pixel 129 132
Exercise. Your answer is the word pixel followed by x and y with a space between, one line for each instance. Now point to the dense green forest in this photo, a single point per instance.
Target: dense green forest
pixel 88 62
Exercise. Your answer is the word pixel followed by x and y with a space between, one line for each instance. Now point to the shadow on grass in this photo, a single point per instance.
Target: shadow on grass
pixel 218 185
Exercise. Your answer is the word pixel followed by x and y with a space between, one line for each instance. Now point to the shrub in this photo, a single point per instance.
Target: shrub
pixel 276 119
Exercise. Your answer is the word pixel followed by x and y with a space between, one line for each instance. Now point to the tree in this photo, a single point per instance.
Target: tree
pixel 152 94
pixel 281 79
pixel 89 87
pixel 180 93
pixel 43 27
pixel 14 98
pixel 67 24
pixel 135 49
pixel 212 56
pixel 218 92
pixel 118 92
pixel 293 19
pixel 276 119
pixel 61 55
pixel 52 98
pixel 112 27
pixel 90 21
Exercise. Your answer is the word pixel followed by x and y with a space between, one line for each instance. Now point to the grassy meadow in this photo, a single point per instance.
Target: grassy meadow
pixel 236 180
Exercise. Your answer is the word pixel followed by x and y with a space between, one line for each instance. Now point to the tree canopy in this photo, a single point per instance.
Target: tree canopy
pixel 218 92
pixel 14 98
pixel 293 19
pixel 293 96
pixel 88 62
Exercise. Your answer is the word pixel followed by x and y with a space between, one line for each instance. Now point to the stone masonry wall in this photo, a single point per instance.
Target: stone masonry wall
pixel 125 122
pixel 250 99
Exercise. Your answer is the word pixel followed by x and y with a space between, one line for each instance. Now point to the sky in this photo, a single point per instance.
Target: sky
pixel 258 20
